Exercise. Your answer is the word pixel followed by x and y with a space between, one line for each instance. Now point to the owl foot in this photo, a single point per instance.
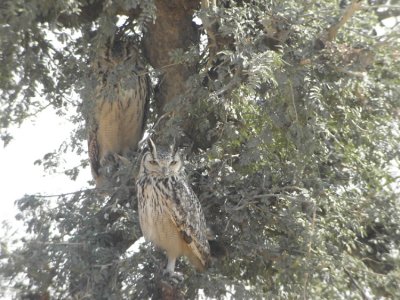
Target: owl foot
pixel 175 277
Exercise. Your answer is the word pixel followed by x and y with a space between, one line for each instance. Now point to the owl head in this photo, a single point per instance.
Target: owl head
pixel 161 162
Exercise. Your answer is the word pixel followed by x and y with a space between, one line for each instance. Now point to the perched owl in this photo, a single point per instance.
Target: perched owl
pixel 118 104
pixel 170 214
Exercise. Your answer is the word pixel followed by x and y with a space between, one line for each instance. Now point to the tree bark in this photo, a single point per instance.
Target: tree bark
pixel 173 29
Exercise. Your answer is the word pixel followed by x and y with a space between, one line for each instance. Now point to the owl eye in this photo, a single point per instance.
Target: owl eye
pixel 174 162
pixel 153 162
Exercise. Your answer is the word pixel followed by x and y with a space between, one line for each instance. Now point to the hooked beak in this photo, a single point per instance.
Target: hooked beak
pixel 165 171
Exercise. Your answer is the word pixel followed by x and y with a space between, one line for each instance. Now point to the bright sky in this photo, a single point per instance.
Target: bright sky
pixel 35 138
pixel 18 174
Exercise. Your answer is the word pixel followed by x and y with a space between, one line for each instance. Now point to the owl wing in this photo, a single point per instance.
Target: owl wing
pixel 186 213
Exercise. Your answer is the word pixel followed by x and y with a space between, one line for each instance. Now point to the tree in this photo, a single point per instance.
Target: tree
pixel 288 112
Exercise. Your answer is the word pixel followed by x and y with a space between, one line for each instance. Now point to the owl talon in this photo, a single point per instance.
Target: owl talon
pixel 176 277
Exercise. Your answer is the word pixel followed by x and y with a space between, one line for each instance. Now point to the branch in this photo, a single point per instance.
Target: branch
pixel 347 14
pixel 356 284
pixel 384 11
pixel 88 13
pixel 307 274
pixel 65 194
pixel 168 289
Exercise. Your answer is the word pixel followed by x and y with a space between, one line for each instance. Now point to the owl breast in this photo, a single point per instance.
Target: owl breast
pixel 120 120
pixel 155 221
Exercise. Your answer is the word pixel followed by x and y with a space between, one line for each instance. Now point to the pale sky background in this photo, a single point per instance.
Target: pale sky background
pixel 19 175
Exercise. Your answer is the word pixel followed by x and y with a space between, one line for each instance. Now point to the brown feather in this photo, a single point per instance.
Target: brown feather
pixel 117 107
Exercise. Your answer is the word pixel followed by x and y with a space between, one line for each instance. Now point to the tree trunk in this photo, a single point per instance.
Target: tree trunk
pixel 173 29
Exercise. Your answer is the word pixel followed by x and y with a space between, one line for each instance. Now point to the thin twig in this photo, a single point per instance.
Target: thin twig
pixel 356 284
pixel 347 14
pixel 159 120
pixel 273 195
pixel 152 130
pixel 309 252
pixel 159 68
pixel 61 243
pixel 72 193
pixel 293 102
pixel 65 194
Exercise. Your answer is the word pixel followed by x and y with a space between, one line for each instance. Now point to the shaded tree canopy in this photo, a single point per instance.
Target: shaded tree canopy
pixel 288 112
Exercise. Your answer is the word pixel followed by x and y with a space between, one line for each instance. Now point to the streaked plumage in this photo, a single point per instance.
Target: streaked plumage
pixel 170 213
pixel 118 106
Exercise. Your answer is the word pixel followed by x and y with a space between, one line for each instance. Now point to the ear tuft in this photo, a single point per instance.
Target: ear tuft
pixel 173 148
pixel 152 147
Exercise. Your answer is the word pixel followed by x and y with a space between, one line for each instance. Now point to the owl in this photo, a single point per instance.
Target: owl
pixel 170 213
pixel 117 105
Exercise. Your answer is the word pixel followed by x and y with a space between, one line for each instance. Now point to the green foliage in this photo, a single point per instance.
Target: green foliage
pixel 295 137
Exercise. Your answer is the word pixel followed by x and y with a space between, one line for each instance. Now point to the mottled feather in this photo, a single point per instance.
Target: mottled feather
pixel 169 211
pixel 186 212
pixel 118 104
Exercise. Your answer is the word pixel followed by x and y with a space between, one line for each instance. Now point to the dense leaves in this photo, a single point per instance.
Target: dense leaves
pixel 291 138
